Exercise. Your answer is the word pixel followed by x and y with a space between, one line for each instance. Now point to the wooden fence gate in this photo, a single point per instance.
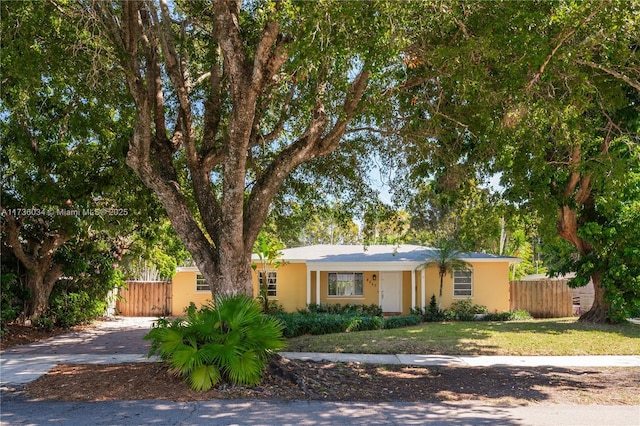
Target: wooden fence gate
pixel 542 299
pixel 144 299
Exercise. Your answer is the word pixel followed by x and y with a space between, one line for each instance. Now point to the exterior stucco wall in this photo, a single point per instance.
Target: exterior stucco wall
pixel 184 292
pixel 291 287
pixel 490 286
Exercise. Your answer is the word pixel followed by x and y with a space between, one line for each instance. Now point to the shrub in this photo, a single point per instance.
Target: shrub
pixel 273 306
pixel 362 323
pixel 67 309
pixel 338 309
pixel 465 310
pixel 516 315
pixel 315 323
pixel 10 298
pixel 230 340
pixel 402 321
pixel 432 313
pixel 497 316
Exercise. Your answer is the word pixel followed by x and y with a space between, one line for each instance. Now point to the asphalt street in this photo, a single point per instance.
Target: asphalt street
pixel 17 411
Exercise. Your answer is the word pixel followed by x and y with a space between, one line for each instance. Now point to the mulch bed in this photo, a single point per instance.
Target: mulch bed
pixel 305 380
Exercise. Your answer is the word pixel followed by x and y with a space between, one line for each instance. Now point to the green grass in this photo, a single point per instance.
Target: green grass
pixel 563 336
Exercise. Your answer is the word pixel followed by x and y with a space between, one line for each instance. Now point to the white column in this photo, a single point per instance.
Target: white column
pixel 423 287
pixel 318 287
pixel 308 287
pixel 413 289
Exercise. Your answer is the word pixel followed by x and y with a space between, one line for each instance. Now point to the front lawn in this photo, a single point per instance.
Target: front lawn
pixel 555 336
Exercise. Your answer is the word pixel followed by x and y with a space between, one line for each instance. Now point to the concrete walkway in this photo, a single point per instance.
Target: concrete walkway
pixel 121 340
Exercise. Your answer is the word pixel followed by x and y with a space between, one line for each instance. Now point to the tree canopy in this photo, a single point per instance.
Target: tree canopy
pixel 234 111
pixel 546 95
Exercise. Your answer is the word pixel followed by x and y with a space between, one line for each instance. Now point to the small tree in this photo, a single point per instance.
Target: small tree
pixel 268 251
pixel 447 258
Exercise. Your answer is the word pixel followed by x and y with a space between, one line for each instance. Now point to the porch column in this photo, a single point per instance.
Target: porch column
pixel 413 290
pixel 423 287
pixel 318 287
pixel 308 287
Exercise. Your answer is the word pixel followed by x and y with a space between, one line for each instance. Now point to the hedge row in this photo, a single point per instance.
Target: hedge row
pixel 314 323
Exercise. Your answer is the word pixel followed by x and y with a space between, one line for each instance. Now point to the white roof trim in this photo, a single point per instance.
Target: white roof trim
pixel 187 269
pixel 361 266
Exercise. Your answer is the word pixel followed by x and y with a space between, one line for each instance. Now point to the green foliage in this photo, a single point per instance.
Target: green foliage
pixel 230 340
pixel 431 313
pixel 67 193
pixel 401 321
pixel 517 315
pixel 154 252
pixel 268 249
pixel 10 298
pixel 465 310
pixel 539 95
pixel 349 308
pixel 68 309
pixel 314 323
pixel 446 258
pixel 330 225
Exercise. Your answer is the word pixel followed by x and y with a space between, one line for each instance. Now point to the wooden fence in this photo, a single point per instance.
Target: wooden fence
pixel 144 299
pixel 542 299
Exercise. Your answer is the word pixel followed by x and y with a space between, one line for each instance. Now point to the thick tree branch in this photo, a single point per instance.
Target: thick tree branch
pixel 257 138
pixel 310 145
pixel 212 115
pixel 227 32
pixel 631 82
pixel 12 232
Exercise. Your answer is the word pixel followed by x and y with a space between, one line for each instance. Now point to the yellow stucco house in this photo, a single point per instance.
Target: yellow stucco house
pixel 387 275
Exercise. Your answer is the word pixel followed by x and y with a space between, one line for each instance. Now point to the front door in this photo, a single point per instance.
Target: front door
pixel 391 291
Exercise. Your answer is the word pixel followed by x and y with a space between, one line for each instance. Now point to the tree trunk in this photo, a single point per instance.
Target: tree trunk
pixel 440 296
pixel 568 230
pixel 599 312
pixel 40 282
pixel 36 256
pixel 232 272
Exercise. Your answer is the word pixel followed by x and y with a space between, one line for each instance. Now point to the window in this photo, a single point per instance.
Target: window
pixel 462 283
pixel 201 284
pixel 346 284
pixel 272 282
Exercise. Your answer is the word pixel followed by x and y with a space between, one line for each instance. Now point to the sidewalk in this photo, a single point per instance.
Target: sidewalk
pixel 473 361
pixel 121 340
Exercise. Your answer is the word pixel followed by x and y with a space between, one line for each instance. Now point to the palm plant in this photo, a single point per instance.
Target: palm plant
pixel 447 258
pixel 268 251
pixel 229 340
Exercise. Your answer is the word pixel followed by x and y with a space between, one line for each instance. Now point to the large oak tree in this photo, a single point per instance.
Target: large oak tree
pixel 231 97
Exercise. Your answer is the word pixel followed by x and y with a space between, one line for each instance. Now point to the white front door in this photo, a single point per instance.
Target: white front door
pixel 391 291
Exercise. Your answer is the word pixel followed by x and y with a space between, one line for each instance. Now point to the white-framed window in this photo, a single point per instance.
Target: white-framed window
pixel 463 283
pixel 346 284
pixel 201 284
pixel 272 282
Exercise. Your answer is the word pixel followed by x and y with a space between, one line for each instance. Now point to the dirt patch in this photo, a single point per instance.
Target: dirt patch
pixel 305 380
pixel 14 334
